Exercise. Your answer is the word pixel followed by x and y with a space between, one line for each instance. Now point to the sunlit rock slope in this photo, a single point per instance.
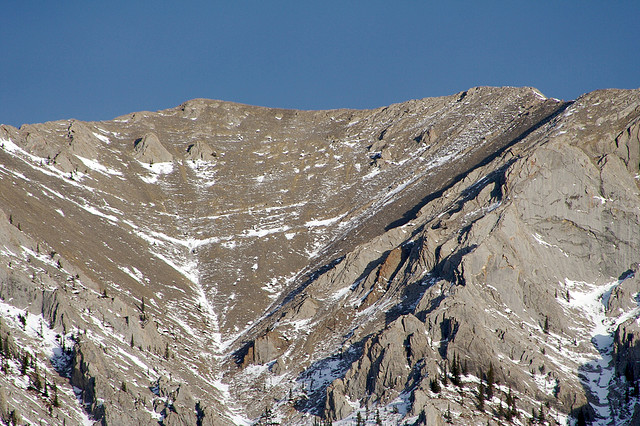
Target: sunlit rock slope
pixel 465 258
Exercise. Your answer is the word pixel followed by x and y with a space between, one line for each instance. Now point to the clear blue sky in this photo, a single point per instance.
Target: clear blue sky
pixel 97 60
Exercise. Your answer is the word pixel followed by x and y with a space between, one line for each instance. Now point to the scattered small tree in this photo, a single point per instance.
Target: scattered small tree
pixel 25 363
pixel 4 408
pixel 37 381
pixel 434 384
pixel 481 396
pixel 541 418
pixel 445 381
pixel 546 325
pixel 490 381
pixel 455 372
pixel 55 401
pixel 15 418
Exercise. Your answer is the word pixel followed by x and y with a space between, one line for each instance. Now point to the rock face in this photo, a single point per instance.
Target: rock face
pixel 457 259
pixel 148 149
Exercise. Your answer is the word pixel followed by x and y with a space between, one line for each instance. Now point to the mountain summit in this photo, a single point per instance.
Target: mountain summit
pixel 460 259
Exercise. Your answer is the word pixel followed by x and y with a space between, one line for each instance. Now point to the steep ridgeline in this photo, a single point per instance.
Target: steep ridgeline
pixel 465 258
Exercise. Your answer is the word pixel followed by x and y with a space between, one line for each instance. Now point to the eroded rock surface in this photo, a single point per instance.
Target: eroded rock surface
pixel 463 258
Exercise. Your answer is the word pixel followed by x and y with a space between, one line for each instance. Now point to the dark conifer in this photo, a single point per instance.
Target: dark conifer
pixel 490 381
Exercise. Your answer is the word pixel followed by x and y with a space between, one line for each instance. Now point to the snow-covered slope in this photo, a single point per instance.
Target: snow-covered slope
pixel 214 262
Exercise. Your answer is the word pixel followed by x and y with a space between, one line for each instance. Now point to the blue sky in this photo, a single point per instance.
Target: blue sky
pixel 98 60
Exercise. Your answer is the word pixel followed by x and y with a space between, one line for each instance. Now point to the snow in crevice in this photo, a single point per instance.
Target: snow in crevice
pixel 597 370
pixel 42 340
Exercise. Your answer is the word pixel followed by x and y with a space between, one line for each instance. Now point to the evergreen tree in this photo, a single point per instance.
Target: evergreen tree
pixel 481 396
pixel 4 407
pixel 37 382
pixel 455 372
pixel 5 347
pixel 435 385
pixel 25 363
pixel 359 421
pixel 490 381
pixel 15 418
pixel 55 401
pixel 445 381
pixel 267 418
pixel 546 324
pixel 511 411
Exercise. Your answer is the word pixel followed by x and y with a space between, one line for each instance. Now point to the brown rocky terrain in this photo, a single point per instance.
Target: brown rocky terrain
pixel 462 259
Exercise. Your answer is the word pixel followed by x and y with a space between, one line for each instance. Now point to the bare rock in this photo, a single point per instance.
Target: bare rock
pixel 149 149
pixel 201 151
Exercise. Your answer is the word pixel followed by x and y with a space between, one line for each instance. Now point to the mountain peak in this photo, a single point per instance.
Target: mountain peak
pixel 219 263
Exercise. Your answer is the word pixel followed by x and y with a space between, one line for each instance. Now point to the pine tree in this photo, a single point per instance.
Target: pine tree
pixel 378 420
pixel 511 405
pixel 455 372
pixel 541 417
pixel 445 381
pixel 481 396
pixel 490 381
pixel 546 325
pixel 435 385
pixel 4 407
pixel 25 363
pixel 5 347
pixel 359 421
pixel 55 401
pixel 37 382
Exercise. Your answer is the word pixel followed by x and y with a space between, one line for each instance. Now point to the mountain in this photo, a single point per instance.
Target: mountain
pixel 460 259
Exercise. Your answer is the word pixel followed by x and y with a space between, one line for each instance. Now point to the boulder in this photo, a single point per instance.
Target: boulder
pixel 149 149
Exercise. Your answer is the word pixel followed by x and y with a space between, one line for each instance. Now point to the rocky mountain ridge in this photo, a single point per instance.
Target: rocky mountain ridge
pixel 459 259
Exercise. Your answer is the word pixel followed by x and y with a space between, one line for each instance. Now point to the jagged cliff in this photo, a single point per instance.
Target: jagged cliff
pixel 461 259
